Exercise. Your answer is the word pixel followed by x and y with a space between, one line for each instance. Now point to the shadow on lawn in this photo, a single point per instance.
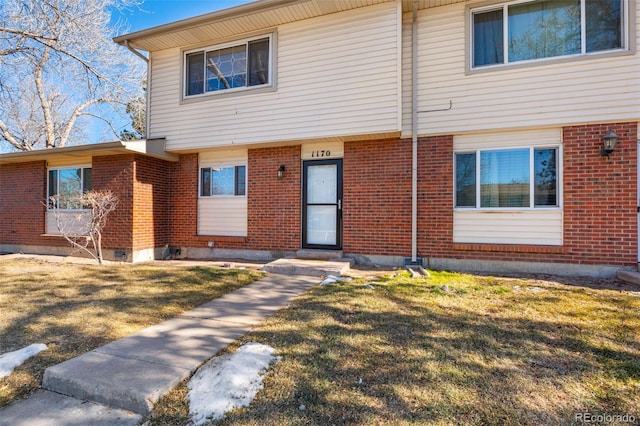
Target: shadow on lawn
pixel 417 361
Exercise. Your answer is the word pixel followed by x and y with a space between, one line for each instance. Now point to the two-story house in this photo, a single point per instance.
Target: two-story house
pixel 466 135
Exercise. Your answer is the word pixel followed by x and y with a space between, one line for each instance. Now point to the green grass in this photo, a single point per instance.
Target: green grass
pixel 76 308
pixel 445 350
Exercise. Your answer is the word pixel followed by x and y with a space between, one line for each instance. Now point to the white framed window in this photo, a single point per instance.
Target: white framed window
pixel 516 178
pixel 229 67
pixel 223 181
pixel 521 31
pixel 67 186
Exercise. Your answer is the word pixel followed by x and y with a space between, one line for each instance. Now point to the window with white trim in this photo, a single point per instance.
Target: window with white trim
pixel 223 181
pixel 525 31
pixel 67 186
pixel 507 178
pixel 235 66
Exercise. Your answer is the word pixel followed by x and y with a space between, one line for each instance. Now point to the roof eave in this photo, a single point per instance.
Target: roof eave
pixel 148 147
pixel 232 12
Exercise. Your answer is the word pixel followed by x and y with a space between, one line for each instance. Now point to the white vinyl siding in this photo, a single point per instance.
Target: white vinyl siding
pixel 223 215
pixel 336 76
pixel 73 223
pixel 601 88
pixel 532 227
pixel 543 226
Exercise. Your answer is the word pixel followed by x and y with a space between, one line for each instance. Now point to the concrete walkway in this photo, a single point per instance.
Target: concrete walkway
pixel 119 383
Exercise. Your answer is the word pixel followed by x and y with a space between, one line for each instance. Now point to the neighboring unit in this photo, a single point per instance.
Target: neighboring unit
pixel 464 135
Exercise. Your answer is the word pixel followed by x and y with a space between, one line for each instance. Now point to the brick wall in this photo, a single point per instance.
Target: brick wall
pixel 23 189
pixel 600 198
pixel 151 188
pixel 116 173
pixel 377 197
pixel 435 196
pixel 274 204
pixel 600 219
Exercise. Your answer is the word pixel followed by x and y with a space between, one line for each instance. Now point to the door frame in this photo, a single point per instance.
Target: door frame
pixel 305 165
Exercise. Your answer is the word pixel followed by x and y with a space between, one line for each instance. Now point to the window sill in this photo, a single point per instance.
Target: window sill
pixel 548 61
pixel 229 93
pixel 508 248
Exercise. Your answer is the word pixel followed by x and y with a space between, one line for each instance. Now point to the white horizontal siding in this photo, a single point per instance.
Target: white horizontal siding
pixel 72 223
pixel 595 89
pixel 336 76
pixel 223 216
pixel 226 216
pixel 541 227
pixel 534 138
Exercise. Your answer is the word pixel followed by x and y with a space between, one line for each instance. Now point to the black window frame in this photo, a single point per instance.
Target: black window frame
pixel 53 185
pixel 206 181
pixel 258 74
pixel 623 31
pixel 471 193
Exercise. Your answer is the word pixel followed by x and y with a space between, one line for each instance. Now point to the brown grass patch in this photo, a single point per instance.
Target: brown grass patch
pixel 446 350
pixel 76 308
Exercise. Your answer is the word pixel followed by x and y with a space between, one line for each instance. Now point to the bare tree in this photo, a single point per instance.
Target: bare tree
pixel 60 70
pixel 83 229
pixel 137 110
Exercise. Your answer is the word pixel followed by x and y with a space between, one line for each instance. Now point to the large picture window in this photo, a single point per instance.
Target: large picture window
pixel 507 178
pixel 67 186
pixel 225 181
pixel 517 31
pixel 241 65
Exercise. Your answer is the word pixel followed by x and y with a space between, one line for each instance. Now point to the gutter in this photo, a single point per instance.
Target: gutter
pixel 135 52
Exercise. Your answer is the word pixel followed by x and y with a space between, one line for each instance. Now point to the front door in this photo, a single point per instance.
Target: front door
pixel 322 204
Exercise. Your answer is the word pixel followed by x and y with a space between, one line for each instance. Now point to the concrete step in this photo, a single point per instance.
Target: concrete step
pixel 45 408
pixel 308 267
pixel 133 373
pixel 315 254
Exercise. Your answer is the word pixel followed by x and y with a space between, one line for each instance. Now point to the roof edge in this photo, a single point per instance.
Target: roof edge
pixel 149 147
pixel 218 15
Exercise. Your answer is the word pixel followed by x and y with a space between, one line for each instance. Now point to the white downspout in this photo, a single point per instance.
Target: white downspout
pixel 414 133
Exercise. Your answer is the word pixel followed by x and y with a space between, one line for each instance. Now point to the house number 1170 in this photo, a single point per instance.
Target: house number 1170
pixel 320 153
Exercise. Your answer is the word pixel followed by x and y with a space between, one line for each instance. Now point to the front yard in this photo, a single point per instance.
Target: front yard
pixel 447 350
pixel 76 308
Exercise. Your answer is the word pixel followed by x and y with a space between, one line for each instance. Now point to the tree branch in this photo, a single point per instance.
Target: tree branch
pixel 9 137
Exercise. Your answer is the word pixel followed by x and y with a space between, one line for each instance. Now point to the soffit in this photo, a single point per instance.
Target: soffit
pixel 237 20
pixel 249 17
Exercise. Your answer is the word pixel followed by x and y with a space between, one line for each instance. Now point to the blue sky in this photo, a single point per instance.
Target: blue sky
pixel 157 12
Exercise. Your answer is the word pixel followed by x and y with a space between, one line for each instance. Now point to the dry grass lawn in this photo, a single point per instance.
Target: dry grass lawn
pixel 446 350
pixel 76 308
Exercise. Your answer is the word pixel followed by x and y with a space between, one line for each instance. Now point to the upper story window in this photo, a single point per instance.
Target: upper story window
pixel 229 67
pixel 508 178
pixel 225 181
pixel 67 186
pixel 526 31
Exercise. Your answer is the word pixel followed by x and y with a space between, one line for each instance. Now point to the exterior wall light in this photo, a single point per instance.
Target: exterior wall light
pixel 609 142
pixel 281 171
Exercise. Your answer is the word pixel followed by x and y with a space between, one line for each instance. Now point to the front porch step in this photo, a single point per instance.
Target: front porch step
pixel 308 267
pixel 319 254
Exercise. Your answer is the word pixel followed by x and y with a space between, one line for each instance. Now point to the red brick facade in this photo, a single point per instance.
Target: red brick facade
pixel 159 202
pixel 377 197
pixel 23 189
pixel 274 203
